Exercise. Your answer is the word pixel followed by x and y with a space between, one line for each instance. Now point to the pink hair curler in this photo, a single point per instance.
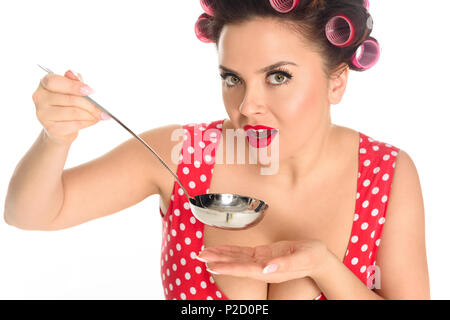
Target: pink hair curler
pixel 284 6
pixel 366 4
pixel 207 6
pixel 367 54
pixel 340 31
pixel 201 29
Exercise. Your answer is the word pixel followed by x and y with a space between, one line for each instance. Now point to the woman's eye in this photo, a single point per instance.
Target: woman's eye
pixel 278 77
pixel 233 80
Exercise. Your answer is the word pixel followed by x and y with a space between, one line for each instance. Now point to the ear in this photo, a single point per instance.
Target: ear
pixel 337 84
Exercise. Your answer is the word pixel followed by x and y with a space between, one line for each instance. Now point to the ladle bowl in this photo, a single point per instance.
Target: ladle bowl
pixel 228 211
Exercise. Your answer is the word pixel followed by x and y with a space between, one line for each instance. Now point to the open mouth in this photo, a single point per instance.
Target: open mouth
pixel 261 133
pixel 260 138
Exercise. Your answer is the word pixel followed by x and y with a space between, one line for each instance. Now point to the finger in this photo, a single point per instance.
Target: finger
pixel 61 84
pixel 249 270
pixel 215 256
pixel 80 77
pixel 235 252
pixel 58 113
pixel 252 271
pixel 222 249
pixel 236 249
pixel 65 100
pixel 72 75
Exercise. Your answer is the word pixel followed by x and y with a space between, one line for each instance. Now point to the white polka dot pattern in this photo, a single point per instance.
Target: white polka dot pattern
pixel 184 277
pixel 376 168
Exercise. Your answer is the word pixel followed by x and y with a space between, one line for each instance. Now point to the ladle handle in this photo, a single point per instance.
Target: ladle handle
pixel 142 141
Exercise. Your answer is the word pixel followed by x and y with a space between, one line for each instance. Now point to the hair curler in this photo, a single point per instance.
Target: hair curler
pixel 201 28
pixel 367 54
pixel 366 4
pixel 284 6
pixel 340 31
pixel 208 6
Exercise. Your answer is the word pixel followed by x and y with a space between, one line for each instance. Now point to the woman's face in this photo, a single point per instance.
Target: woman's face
pixel 292 98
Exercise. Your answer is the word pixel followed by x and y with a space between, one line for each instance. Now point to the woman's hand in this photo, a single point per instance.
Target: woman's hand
pixel 61 108
pixel 273 263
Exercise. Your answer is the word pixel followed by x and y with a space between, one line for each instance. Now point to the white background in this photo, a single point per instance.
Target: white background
pixel 149 69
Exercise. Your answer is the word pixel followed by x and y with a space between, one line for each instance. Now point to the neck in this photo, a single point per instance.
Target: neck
pixel 312 156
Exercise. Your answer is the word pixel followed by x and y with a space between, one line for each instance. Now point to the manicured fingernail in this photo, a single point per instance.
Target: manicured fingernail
pixel 270 268
pixel 76 74
pixel 79 77
pixel 105 116
pixel 215 272
pixel 201 259
pixel 86 90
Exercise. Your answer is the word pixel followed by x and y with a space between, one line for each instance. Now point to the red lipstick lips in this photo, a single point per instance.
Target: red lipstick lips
pixel 260 136
pixel 257 127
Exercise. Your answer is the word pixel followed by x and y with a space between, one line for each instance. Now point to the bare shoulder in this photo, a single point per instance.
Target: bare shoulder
pixel 403 237
pixel 405 168
pixel 405 186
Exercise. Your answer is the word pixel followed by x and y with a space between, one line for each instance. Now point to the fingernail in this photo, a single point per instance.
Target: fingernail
pixel 212 271
pixel 201 259
pixel 270 268
pixel 76 74
pixel 105 116
pixel 86 90
pixel 80 77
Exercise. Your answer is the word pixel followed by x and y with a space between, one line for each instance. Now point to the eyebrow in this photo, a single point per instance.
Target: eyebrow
pixel 265 69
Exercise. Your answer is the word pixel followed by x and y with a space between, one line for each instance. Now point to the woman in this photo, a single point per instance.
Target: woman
pixel 319 239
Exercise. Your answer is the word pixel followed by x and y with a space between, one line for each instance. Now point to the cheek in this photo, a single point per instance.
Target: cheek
pixel 232 101
pixel 301 113
pixel 302 105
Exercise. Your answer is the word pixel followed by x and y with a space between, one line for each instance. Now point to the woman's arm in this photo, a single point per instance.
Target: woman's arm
pixel 35 193
pixel 401 257
pixel 401 260
pixel 43 196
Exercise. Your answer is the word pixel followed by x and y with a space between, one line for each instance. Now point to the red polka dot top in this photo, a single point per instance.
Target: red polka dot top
pixel 186 278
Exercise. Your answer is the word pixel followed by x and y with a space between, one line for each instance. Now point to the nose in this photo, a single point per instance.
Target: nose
pixel 252 104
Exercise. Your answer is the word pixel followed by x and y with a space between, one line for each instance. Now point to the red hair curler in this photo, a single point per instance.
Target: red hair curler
pixel 284 6
pixel 201 28
pixel 208 6
pixel 367 54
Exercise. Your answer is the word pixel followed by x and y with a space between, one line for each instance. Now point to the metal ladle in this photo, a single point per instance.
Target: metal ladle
pixel 220 210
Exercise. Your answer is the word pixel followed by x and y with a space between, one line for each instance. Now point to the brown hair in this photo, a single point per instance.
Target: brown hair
pixel 308 19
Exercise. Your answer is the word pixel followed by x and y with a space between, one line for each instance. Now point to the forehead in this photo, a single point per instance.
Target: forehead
pixel 261 41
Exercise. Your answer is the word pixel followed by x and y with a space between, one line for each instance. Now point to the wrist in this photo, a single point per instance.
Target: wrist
pixel 325 265
pixel 49 140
